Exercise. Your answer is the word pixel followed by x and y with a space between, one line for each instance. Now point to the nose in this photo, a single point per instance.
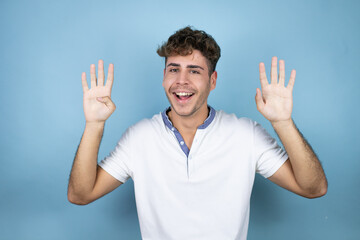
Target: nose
pixel 182 78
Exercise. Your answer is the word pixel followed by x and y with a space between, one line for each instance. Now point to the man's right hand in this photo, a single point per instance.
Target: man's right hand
pixel 97 100
pixel 88 181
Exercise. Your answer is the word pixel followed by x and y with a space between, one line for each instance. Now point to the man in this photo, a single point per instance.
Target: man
pixel 193 167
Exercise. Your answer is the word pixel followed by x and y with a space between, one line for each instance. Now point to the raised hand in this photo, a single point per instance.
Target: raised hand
pixel 97 100
pixel 275 102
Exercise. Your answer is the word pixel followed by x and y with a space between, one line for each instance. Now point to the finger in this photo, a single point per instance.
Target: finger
pixel 292 80
pixel 282 72
pixel 107 101
pixel 259 100
pixel 110 77
pixel 101 75
pixel 84 82
pixel 263 79
pixel 92 76
pixel 273 71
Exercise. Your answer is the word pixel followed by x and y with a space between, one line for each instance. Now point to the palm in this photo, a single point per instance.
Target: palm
pixel 95 110
pixel 276 102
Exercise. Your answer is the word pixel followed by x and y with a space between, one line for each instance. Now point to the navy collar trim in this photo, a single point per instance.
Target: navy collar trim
pixel 206 123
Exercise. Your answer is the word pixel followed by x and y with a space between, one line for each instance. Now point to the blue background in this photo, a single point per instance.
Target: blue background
pixel 45 45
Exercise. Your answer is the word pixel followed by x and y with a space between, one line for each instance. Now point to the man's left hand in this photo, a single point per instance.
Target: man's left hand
pixel 275 102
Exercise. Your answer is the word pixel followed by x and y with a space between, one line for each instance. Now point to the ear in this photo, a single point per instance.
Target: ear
pixel 213 79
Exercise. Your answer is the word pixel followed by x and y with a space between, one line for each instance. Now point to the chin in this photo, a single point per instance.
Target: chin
pixel 184 111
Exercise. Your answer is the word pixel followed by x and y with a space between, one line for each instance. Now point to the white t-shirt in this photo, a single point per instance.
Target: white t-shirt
pixel 203 194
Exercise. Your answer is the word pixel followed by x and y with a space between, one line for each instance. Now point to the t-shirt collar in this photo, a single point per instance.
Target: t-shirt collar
pixel 206 123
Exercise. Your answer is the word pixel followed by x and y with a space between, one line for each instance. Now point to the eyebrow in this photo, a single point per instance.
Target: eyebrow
pixel 188 66
pixel 194 66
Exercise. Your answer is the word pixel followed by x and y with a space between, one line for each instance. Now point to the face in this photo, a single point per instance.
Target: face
pixel 187 83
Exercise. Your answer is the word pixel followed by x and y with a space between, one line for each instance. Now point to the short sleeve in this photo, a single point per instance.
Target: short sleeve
pixel 118 162
pixel 269 155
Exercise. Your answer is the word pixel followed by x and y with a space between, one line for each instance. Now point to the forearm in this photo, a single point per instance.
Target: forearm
pixel 84 169
pixel 307 169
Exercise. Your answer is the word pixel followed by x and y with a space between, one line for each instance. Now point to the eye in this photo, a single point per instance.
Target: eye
pixel 173 70
pixel 194 72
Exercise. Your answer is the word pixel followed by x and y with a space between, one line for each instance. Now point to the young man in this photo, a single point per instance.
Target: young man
pixel 193 167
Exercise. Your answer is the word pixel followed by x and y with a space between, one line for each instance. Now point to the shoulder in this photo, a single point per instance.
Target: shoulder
pixel 240 131
pixel 136 134
pixel 227 120
pixel 146 125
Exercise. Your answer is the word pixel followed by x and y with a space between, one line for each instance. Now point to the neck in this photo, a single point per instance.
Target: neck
pixel 189 123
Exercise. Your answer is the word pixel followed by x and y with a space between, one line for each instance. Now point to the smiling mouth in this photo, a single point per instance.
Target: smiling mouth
pixel 183 95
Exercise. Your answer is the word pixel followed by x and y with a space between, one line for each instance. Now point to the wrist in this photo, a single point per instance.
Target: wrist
pixel 285 124
pixel 95 125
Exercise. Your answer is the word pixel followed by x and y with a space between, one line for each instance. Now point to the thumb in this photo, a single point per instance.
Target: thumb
pixel 107 101
pixel 259 100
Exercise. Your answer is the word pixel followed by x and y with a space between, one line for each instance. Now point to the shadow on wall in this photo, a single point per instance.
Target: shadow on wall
pixel 265 202
pixel 122 210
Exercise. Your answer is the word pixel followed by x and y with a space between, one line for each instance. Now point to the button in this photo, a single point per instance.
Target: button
pixel 182 143
pixel 172 129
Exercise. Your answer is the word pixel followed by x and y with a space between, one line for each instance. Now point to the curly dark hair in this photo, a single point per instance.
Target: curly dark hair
pixel 187 39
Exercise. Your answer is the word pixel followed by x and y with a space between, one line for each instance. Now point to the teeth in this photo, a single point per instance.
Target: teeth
pixel 183 94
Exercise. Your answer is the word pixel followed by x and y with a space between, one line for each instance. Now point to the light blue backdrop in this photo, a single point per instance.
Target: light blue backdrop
pixel 45 45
